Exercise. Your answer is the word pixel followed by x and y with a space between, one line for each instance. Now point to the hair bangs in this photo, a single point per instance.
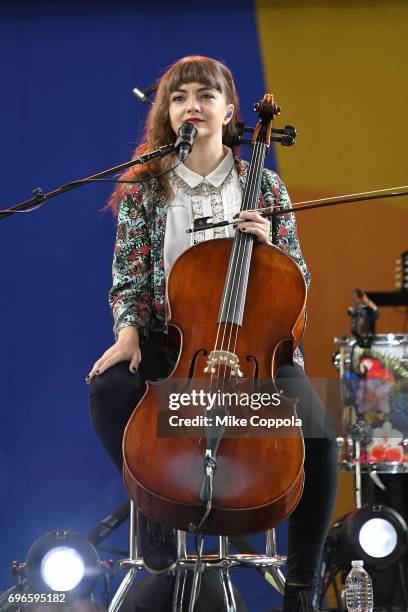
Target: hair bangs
pixel 196 71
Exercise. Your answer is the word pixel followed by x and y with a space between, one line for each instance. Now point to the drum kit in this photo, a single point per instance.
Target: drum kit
pixel 373 371
pixel 373 446
pixel 374 400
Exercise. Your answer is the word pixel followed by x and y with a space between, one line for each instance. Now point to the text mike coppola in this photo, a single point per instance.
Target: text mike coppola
pixel 184 143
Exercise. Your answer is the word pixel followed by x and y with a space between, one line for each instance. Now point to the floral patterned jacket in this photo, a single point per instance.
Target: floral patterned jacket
pixel 137 296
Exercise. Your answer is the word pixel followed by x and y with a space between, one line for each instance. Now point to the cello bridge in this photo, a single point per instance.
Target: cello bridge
pixel 223 358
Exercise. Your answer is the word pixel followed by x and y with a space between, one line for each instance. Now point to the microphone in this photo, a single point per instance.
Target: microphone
pixel 184 142
pixel 141 95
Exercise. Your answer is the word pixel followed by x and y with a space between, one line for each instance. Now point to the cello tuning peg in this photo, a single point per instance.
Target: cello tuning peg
pixel 287 141
pixel 290 130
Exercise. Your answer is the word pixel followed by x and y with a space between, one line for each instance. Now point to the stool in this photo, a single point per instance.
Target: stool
pixel 223 561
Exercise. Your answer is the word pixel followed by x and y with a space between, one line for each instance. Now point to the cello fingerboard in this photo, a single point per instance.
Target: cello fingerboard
pixel 236 283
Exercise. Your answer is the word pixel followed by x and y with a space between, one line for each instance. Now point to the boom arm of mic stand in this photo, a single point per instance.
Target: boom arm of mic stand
pixel 104 529
pixel 39 196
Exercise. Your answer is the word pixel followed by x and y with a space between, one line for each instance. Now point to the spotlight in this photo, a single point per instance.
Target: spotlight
pixel 375 534
pixel 62 561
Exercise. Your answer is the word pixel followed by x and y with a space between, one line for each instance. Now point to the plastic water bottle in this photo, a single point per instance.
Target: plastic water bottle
pixel 359 589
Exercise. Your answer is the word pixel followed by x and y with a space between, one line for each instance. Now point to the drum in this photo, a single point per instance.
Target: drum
pixel 374 402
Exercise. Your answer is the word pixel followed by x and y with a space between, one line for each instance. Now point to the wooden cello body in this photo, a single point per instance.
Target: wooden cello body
pixel 239 310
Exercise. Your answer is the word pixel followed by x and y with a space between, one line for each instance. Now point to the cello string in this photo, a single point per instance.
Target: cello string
pixel 236 269
pixel 235 257
pixel 226 295
pixel 243 240
pixel 238 249
pixel 235 254
pixel 236 266
pixel 253 200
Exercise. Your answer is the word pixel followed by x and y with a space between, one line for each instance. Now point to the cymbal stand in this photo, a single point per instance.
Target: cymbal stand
pixel 358 474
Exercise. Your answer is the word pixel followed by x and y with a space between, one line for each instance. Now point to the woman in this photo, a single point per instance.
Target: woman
pixel 152 220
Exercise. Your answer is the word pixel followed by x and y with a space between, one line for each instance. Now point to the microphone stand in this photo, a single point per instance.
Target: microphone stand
pixel 104 529
pixel 39 196
pixel 287 138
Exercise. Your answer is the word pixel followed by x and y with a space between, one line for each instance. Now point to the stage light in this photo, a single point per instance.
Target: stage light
pixel 378 538
pixel 72 564
pixel 62 561
pixel 375 534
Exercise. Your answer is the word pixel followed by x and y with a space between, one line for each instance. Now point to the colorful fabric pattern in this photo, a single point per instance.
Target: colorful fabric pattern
pixel 137 296
pixel 375 396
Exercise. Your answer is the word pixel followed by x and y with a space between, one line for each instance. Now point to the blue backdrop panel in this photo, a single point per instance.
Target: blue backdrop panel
pixel 67 111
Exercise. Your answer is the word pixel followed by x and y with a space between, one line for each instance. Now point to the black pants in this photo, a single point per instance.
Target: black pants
pixel 114 394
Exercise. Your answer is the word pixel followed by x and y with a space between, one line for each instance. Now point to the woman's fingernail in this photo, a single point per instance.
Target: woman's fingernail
pixel 235 226
pixel 87 380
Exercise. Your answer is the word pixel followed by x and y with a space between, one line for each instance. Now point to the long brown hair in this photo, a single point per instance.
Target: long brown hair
pixel 158 130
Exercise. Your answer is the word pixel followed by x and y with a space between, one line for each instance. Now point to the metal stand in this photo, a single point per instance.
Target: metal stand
pixel 222 562
pixel 358 475
pixel 133 563
pixel 4 598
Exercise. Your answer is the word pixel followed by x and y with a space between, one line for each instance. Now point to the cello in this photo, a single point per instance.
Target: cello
pixel 238 309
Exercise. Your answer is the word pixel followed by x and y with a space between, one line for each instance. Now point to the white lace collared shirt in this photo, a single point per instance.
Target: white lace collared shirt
pixel 217 195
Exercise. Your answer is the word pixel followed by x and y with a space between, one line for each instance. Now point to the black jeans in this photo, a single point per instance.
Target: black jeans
pixel 115 393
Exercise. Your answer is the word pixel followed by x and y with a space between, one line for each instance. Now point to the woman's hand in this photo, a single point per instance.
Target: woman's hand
pixel 126 348
pixel 252 222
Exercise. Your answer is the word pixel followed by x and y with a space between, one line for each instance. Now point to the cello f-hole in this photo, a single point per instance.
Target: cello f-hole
pixel 194 361
pixel 256 366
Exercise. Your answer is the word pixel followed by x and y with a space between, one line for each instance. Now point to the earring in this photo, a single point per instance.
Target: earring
pixel 229 114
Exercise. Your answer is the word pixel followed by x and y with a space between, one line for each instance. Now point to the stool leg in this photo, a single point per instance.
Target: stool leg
pixel 273 574
pixel 122 591
pixel 229 599
pixel 133 523
pixel 126 583
pixel 181 574
pixel 195 587
pixel 223 547
pixel 198 569
pixel 181 544
pixel 179 589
